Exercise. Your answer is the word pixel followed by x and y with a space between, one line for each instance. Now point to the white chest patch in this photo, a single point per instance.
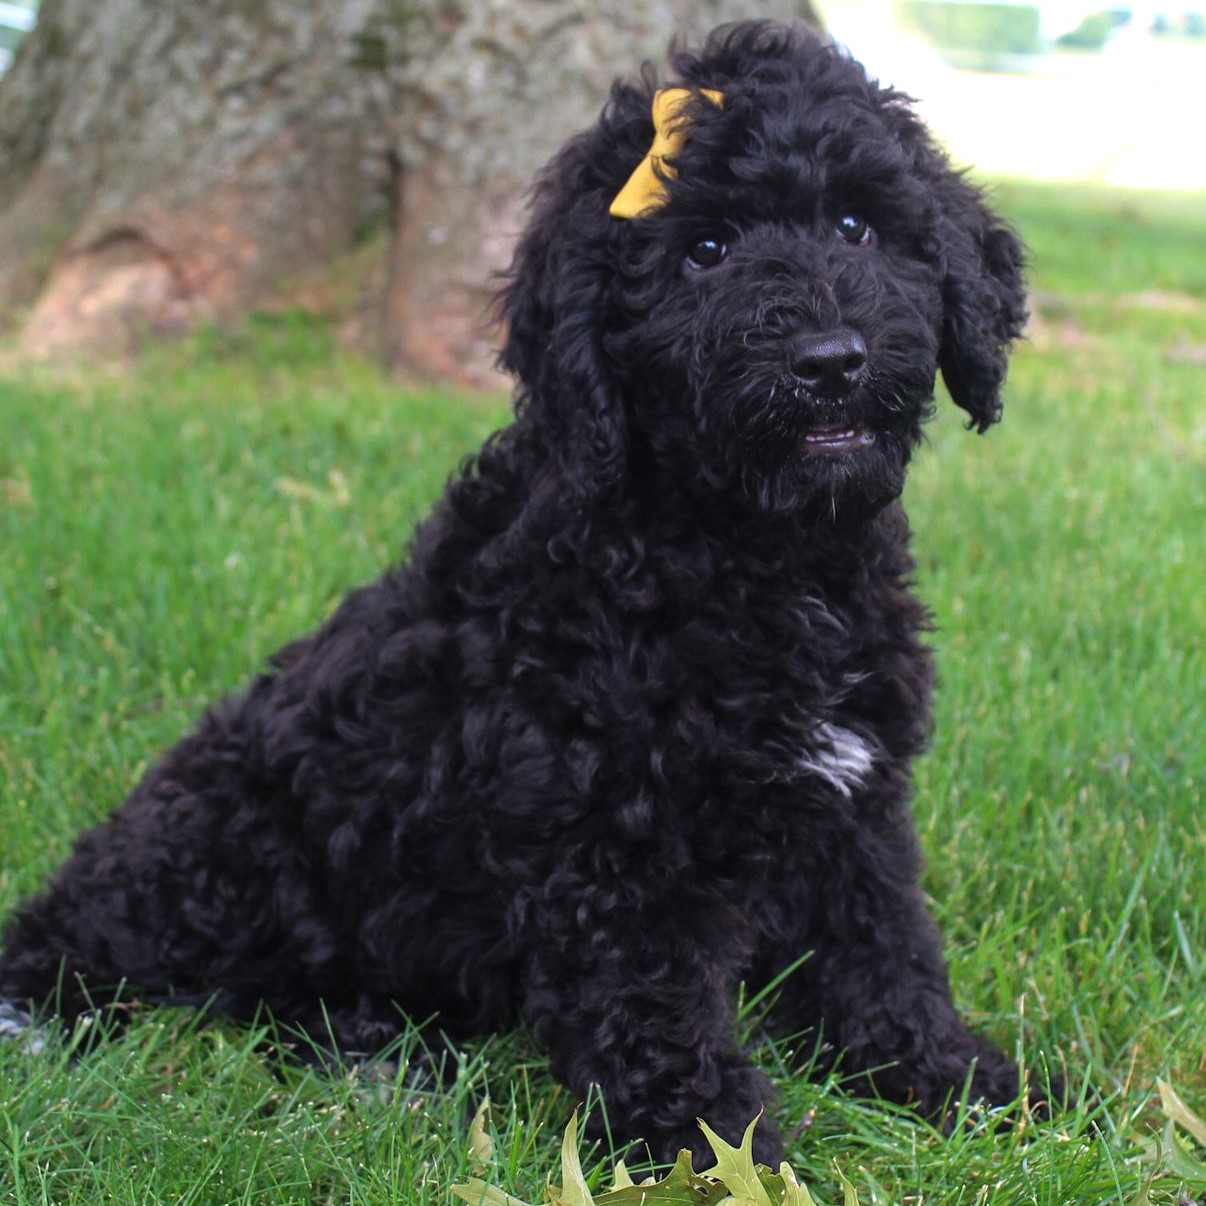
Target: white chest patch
pixel 840 757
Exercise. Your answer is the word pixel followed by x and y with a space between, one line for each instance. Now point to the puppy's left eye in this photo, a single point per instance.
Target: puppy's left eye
pixel 707 253
pixel 854 229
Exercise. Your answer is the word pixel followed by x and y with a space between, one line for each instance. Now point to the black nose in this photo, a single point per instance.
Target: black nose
pixel 830 365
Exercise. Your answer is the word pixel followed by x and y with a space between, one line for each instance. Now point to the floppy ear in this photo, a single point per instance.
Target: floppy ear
pixel 980 260
pixel 984 299
pixel 555 299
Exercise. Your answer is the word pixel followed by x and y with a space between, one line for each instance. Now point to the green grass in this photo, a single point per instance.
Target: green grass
pixel 163 531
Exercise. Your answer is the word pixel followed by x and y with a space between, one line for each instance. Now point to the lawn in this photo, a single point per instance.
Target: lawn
pixel 164 530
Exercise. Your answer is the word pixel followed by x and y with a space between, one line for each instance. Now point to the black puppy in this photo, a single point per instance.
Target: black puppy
pixel 635 721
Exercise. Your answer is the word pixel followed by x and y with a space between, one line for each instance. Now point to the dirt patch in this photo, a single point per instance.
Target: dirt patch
pixel 1164 301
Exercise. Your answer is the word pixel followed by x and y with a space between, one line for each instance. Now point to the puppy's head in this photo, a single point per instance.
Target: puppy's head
pixel 757 295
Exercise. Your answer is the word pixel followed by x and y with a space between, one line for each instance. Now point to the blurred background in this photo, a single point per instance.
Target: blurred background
pixel 168 165
pixel 1061 90
pixel 1055 90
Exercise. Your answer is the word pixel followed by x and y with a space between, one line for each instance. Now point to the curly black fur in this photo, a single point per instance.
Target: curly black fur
pixel 635 721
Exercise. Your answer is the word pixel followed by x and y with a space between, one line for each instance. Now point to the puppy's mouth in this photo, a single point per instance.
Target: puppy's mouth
pixel 835 439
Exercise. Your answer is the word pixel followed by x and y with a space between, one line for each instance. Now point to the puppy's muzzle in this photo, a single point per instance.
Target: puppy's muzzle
pixel 826 369
pixel 829 365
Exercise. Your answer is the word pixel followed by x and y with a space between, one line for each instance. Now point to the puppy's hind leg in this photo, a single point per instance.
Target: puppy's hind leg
pixel 193 890
pixel 17 1023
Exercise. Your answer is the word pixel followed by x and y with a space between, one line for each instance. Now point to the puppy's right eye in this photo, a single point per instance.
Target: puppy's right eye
pixel 707 252
pixel 854 229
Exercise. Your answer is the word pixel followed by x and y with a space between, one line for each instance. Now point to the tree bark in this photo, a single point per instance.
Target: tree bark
pixel 169 161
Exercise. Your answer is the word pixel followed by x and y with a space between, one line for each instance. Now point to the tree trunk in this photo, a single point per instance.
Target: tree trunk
pixel 168 161
pixel 172 159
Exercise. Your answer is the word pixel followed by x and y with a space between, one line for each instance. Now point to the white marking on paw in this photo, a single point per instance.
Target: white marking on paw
pixel 17 1024
pixel 840 757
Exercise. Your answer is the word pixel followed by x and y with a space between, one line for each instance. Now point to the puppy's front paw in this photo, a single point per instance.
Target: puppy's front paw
pixel 996 1084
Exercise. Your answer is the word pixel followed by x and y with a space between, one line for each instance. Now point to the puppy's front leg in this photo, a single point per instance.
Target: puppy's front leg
pixel 888 1006
pixel 877 983
pixel 651 1026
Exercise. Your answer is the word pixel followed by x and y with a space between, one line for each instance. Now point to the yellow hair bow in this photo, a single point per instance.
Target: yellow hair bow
pixel 646 190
